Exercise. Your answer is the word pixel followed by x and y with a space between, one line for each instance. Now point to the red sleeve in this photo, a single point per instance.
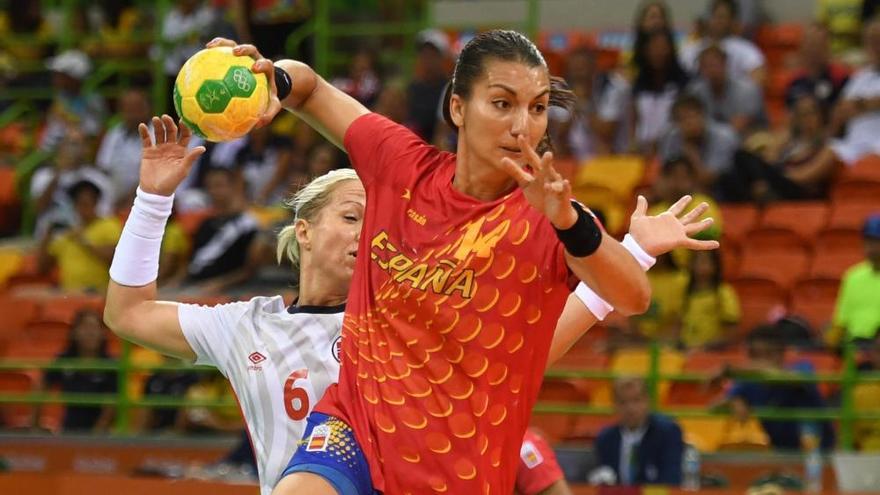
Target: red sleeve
pixel 538 468
pixel 380 149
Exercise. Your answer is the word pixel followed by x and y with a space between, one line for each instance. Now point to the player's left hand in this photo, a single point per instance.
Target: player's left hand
pixel 544 188
pixel 670 230
pixel 262 65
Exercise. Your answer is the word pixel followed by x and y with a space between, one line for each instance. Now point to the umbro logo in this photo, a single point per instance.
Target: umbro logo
pixel 256 358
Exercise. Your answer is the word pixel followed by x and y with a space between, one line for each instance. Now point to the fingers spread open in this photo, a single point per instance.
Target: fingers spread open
pixel 192 155
pixel 521 177
pixel 170 128
pixel 158 131
pixel 696 245
pixel 185 134
pixel 700 226
pixel 220 42
pixel 146 139
pixel 641 207
pixel 679 205
pixel 694 214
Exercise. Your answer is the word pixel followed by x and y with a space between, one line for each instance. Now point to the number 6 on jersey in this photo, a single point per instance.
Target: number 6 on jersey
pixel 296 399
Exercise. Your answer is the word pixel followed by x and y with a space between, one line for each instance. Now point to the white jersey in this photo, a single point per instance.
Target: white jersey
pixel 279 362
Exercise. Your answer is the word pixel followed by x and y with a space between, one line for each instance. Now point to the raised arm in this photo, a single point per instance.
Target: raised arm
pixel 131 310
pixel 655 235
pixel 327 109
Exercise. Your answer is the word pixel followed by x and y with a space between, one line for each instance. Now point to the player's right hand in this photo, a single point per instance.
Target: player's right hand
pixel 165 162
pixel 262 65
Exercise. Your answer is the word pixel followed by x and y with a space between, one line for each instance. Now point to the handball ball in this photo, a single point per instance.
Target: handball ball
pixel 217 96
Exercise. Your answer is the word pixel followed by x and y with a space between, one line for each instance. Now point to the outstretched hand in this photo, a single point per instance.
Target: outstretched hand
pixel 544 188
pixel 165 162
pixel 662 233
pixel 262 65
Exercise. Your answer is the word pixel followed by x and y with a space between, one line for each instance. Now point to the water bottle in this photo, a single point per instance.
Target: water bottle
pixel 812 458
pixel 690 469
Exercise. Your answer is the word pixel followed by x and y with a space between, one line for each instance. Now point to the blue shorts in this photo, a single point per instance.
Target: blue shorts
pixel 329 449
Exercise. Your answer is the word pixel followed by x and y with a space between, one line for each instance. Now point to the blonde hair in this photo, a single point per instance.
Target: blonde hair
pixel 306 204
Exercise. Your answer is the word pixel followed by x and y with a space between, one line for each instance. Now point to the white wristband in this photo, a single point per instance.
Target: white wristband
pixel 136 259
pixel 598 306
pixel 645 260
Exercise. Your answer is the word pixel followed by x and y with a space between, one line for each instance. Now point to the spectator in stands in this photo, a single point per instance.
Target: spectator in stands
pixel 680 177
pixel 710 311
pixel 644 447
pixel 72 106
pixel 651 16
pixel 818 74
pixel 750 15
pixel 431 75
pixel 737 101
pixel 744 59
pixel 87 340
pixel 323 158
pixel 83 253
pixel 866 398
pixel 766 348
pixel 597 124
pixel 51 183
pixel 539 472
pixel 857 312
pixel 708 144
pixel 858 110
pixel 164 384
pixel 211 387
pixel 120 149
pixel 174 252
pixel 658 81
pixel 668 285
pixel 843 18
pixel 362 81
pixel 222 241
pixel 794 164
pixel 392 102
pixel 265 161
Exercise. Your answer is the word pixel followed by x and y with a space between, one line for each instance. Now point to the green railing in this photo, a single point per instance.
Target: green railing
pixel 847 379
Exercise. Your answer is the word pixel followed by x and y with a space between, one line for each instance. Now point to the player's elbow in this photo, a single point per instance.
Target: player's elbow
pixel 637 300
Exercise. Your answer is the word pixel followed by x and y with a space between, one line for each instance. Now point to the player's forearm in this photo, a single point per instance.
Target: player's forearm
pixel 615 275
pixel 573 323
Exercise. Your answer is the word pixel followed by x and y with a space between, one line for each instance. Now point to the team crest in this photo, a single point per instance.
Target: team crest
pixel 530 455
pixel 319 439
pixel 336 348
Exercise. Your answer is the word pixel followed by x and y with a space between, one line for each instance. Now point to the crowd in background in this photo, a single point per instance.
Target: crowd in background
pixel 693 102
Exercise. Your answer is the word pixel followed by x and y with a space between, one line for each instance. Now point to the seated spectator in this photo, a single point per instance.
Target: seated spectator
pixel 72 105
pixel 120 149
pixel 83 253
pixel 866 399
pixel 87 340
pixel 843 18
pixel 539 472
pixel 50 185
pixel 766 349
pixel 174 252
pixel 164 384
pixel 658 81
pixel 709 145
pixel 426 88
pixel 744 59
pixel 818 74
pixel 710 311
pixel 794 164
pixel 857 311
pixel 679 177
pixel 857 114
pixel 362 81
pixel 211 387
pixel 668 286
pixel 264 161
pixel 737 101
pixel 222 241
pixel 644 448
pixel 597 124
pixel 651 16
pixel 750 15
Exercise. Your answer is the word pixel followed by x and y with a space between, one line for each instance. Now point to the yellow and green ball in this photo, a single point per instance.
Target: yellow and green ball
pixel 217 96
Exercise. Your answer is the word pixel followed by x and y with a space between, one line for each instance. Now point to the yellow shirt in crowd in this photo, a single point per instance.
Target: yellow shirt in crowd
pixel 705 314
pixel 79 269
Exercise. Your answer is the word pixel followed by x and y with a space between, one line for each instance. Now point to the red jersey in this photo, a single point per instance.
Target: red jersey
pixel 538 468
pixel 448 323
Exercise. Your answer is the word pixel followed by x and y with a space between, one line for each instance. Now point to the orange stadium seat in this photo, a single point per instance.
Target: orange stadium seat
pixel 738 219
pixel 558 426
pixel 867 168
pixel 16 313
pixel 730 259
pixel 835 251
pixel 758 298
pixel 813 299
pixel 16 415
pixel 707 363
pixel 852 215
pixel 774 240
pixel 46 331
pixel 25 348
pixel 803 218
pixel 783 268
pixel 64 308
pixel 855 190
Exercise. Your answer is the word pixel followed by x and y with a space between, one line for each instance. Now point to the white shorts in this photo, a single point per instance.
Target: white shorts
pixel 849 150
